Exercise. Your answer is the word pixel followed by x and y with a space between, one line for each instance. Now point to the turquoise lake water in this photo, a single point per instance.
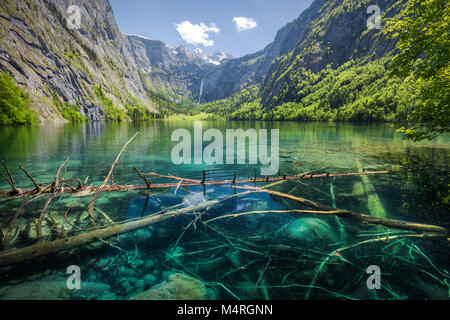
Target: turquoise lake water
pixel 257 256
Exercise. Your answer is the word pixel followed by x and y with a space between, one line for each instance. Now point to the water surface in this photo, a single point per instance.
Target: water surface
pixel 257 256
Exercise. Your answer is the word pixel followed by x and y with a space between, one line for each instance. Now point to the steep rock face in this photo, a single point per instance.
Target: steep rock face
pixel 91 66
pixel 54 62
pixel 174 68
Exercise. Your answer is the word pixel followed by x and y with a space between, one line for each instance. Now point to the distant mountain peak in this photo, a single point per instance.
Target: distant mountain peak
pixel 216 58
pixel 137 36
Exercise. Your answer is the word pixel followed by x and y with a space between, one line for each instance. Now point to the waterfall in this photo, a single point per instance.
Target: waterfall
pixel 200 94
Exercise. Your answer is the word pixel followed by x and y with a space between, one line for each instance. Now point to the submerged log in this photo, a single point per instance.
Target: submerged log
pixel 46 248
pixel 99 234
pixel 10 180
pixel 362 218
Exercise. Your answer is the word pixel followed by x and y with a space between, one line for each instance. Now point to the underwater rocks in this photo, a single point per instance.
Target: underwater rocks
pixel 151 204
pixel 177 287
pixel 148 264
pixel 141 237
pixel 127 286
pixel 127 274
pixel 174 253
pixel 148 280
pixel 95 290
pixel 312 231
pixel 50 288
pixel 193 199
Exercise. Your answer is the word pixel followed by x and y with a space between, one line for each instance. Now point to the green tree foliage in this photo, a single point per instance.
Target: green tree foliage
pixel 136 111
pixel 249 111
pixel 355 91
pixel 359 92
pixel 69 111
pixel 423 31
pixel 14 103
pixel 108 107
pixel 230 108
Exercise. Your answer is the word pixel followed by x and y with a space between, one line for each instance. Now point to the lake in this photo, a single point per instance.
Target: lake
pixel 269 255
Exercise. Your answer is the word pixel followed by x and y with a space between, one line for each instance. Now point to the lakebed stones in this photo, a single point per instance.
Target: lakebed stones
pixel 312 231
pixel 94 290
pixel 108 296
pixel 126 287
pixel 104 264
pixel 148 264
pixel 177 287
pixel 148 280
pixel 50 288
pixel 141 237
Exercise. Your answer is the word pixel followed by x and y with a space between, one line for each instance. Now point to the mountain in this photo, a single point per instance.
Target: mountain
pixel 236 74
pixel 105 73
pixel 323 65
pixel 174 68
pixel 217 58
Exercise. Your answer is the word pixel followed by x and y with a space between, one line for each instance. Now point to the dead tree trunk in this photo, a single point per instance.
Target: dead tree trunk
pixel 46 248
pixel 185 183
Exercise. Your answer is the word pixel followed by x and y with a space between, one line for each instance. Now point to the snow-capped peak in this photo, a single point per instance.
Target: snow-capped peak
pixel 216 58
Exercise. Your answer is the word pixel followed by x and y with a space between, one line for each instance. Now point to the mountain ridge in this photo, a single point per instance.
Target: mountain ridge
pixel 111 75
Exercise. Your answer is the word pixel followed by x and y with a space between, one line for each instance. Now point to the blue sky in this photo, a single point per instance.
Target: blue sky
pixel 237 27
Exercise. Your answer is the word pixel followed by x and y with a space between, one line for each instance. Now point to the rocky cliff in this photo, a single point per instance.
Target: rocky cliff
pixel 336 35
pixel 111 75
pixel 96 67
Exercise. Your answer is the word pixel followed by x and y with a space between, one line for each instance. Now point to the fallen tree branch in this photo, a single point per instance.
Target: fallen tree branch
pixel 107 218
pixel 147 183
pixel 7 180
pixel 271 211
pixel 362 218
pixel 7 234
pixel 55 192
pixel 191 183
pixel 336 253
pixel 171 177
pixel 37 187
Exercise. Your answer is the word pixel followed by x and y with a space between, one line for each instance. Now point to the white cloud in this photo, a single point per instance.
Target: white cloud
pixel 196 34
pixel 243 23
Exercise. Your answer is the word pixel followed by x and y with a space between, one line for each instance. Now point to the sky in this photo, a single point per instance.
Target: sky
pixel 237 27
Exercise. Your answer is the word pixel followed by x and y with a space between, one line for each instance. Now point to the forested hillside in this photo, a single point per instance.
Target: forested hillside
pixel 338 70
pixel 325 65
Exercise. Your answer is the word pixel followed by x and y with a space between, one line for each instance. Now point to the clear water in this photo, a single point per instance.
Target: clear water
pixel 258 256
